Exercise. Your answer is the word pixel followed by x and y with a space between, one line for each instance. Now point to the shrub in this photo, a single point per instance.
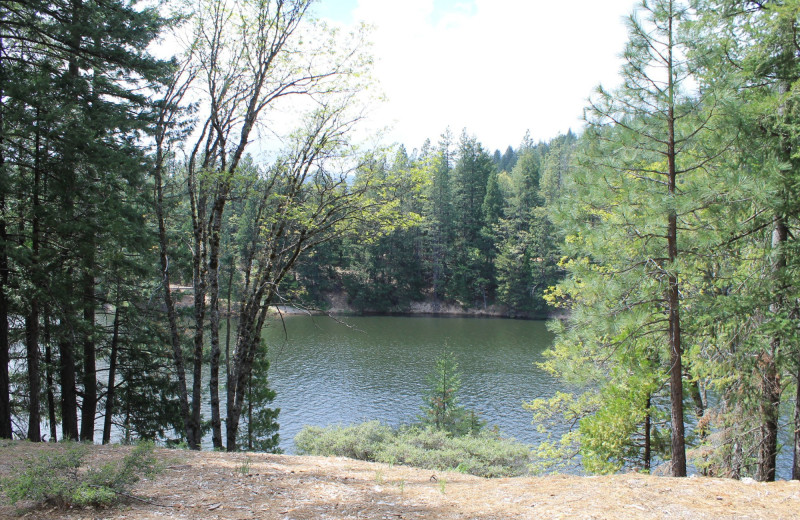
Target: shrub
pixel 57 477
pixel 483 454
pixel 360 441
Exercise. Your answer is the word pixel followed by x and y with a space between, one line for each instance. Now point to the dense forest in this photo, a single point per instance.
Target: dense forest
pixel 152 211
pixel 481 239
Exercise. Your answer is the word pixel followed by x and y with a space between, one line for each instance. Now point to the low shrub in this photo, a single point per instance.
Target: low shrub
pixel 359 441
pixel 58 477
pixel 483 454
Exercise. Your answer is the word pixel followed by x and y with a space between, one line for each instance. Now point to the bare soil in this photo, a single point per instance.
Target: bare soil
pixel 207 485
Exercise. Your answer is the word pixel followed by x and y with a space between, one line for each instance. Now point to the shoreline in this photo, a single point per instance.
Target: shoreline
pixel 417 309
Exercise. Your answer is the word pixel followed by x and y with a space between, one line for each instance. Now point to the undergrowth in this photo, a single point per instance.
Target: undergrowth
pixel 60 478
pixel 483 454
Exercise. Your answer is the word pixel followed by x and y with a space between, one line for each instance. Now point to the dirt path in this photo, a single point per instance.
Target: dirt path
pixel 205 485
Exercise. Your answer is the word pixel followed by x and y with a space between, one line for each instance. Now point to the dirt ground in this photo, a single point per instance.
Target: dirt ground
pixel 206 485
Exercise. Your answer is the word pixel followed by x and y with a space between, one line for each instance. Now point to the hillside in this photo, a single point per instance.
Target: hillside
pixel 205 485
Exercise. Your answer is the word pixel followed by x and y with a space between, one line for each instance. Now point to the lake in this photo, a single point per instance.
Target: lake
pixel 360 368
pixel 352 369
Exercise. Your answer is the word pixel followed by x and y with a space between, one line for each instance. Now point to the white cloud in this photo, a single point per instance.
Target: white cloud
pixel 496 67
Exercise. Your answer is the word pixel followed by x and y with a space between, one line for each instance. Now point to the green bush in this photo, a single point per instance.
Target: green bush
pixel 483 454
pixel 58 477
pixel 360 441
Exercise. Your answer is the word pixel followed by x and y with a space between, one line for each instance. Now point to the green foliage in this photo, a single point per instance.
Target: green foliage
pixel 441 410
pixel 483 454
pixel 260 432
pixel 59 476
pixel 361 441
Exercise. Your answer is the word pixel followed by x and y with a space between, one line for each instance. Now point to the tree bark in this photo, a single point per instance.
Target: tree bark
pixel 89 403
pixel 69 400
pixel 48 364
pixel 768 408
pixel 647 443
pixel 673 293
pixel 214 320
pixel 34 375
pixel 32 320
pixel 767 366
pixel 163 248
pixel 112 378
pixel 199 286
pixel 6 431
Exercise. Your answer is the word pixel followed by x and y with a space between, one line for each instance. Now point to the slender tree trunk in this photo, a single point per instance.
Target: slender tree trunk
pixel 172 317
pixel 5 382
pixel 228 374
pixel 647 443
pixel 250 413
pixel 768 408
pixel 6 431
pixel 48 367
pixel 199 284
pixel 112 379
pixel 673 293
pixel 66 343
pixel 89 404
pixel 32 320
pixel 770 376
pixel 242 367
pixel 214 319
pixel 69 400
pixel 34 375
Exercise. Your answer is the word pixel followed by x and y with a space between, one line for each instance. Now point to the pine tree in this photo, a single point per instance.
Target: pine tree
pixel 472 280
pixel 643 170
pixel 73 70
pixel 748 50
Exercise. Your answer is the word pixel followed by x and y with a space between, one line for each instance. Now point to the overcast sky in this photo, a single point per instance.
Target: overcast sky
pixel 496 67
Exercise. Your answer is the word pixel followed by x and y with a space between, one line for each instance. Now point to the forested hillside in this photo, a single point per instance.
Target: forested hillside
pixel 481 235
pixel 152 211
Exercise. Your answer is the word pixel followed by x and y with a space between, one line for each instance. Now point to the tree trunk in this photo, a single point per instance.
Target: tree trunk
pixel 48 367
pixel 112 378
pixel 214 319
pixel 6 431
pixel 673 293
pixel 197 201
pixel 767 366
pixel 647 427
pixel 69 400
pixel 32 320
pixel 243 356
pixel 89 404
pixel 5 383
pixel 172 317
pixel 768 408
pixel 34 375
pixel 199 284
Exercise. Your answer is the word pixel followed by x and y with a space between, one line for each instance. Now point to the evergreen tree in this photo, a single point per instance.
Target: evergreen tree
pixel 441 409
pixel 748 50
pixel 622 211
pixel 72 99
pixel 439 216
pixel 472 280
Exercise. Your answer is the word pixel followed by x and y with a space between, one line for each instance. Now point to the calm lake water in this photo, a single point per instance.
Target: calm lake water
pixel 362 368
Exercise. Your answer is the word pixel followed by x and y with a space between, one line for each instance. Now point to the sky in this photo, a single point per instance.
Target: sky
pixel 495 67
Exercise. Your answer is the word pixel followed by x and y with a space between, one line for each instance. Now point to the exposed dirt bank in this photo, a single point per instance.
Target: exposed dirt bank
pixel 207 485
pixel 337 305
